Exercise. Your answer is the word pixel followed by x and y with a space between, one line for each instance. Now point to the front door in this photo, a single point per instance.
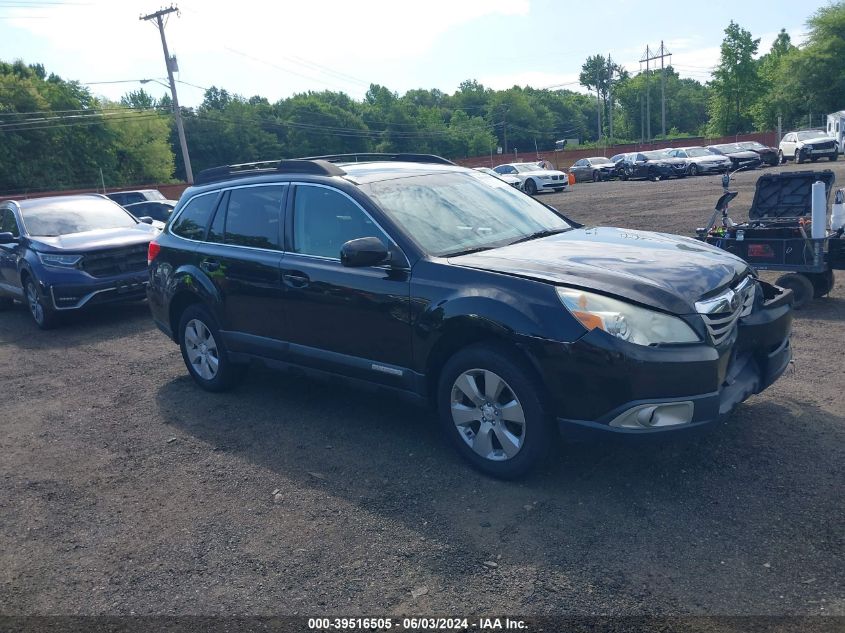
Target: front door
pixel 349 320
pixel 10 283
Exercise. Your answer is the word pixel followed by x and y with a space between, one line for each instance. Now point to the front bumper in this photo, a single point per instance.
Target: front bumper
pixel 598 380
pixel 73 296
pixel 713 168
pixel 553 185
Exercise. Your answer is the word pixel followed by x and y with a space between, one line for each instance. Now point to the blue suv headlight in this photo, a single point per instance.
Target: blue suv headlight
pixel 58 260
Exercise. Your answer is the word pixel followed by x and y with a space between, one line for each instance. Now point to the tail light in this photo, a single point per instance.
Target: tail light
pixel 152 252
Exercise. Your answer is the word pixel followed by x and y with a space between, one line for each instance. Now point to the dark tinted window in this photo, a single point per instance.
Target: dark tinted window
pixel 325 219
pixel 253 217
pixel 194 217
pixel 8 223
pixel 215 231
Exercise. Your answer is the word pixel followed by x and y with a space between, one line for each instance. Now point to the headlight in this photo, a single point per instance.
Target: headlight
pixel 624 320
pixel 55 259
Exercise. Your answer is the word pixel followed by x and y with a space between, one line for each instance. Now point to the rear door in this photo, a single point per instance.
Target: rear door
pixel 349 320
pixel 241 256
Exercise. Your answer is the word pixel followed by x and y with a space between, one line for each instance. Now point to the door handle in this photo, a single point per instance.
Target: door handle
pixel 210 265
pixel 296 280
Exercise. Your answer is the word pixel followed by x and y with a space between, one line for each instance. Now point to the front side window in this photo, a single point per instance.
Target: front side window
pixel 194 217
pixel 58 216
pixel 450 213
pixel 324 220
pixel 8 224
pixel 253 217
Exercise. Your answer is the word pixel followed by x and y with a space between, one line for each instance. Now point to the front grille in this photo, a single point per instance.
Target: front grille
pixel 823 146
pixel 116 261
pixel 720 317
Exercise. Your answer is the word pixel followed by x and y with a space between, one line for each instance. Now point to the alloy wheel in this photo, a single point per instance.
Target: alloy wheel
pixel 34 303
pixel 201 349
pixel 488 415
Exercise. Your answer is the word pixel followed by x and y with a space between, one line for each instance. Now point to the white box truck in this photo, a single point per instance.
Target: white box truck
pixel 836 129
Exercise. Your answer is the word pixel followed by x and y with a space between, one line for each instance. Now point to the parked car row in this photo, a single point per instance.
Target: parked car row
pixel 425 279
pixel 679 162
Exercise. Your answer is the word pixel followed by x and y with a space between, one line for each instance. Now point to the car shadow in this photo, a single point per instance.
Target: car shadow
pixel 682 520
pixel 83 327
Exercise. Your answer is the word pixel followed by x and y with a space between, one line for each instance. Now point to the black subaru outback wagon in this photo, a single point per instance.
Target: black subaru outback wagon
pixel 449 285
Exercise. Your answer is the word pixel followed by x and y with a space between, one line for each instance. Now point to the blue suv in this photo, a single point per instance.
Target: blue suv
pixel 67 252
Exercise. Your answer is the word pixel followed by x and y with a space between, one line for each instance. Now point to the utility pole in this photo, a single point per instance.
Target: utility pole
pixel 648 57
pixel 610 98
pixel 170 62
pixel 505 125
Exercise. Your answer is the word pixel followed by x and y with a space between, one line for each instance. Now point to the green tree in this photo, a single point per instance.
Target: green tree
pixel 735 84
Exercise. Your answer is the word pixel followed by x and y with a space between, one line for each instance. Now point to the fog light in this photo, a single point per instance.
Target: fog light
pixel 647 416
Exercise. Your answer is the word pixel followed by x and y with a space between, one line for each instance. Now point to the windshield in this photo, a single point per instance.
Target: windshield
pixel 751 145
pixel 698 151
pixel 600 161
pixel 725 147
pixel 524 168
pixel 63 217
pixel 460 211
pixel 809 135
pixel 657 154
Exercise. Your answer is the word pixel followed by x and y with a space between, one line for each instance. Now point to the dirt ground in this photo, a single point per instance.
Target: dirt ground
pixel 125 489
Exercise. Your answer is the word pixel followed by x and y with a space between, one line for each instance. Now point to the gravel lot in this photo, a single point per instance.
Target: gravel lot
pixel 125 489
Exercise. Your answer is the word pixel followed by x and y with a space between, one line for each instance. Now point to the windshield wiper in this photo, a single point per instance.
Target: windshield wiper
pixel 539 234
pixel 469 251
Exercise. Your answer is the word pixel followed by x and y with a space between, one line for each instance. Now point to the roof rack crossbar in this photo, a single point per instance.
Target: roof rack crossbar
pixel 376 156
pixel 284 166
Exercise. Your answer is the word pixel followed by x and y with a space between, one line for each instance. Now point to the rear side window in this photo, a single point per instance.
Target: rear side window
pixel 253 217
pixel 324 220
pixel 194 217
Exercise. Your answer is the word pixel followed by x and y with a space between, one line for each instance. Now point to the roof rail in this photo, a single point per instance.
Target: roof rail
pixel 375 156
pixel 291 166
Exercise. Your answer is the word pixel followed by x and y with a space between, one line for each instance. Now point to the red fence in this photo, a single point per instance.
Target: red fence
pixel 564 159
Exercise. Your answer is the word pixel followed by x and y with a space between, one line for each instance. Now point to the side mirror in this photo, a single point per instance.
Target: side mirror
pixel 145 219
pixel 7 238
pixel 365 251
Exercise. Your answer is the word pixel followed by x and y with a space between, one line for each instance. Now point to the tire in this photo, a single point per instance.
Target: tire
pixel 654 177
pixel 45 317
pixel 693 170
pixel 204 352
pixel 492 411
pixel 596 176
pixel 814 159
pixel 530 187
pixel 801 287
pixel 799 156
pixel 781 158
pixel 833 158
pixel 822 283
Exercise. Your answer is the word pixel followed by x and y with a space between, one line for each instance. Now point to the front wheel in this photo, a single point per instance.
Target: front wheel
pixel 204 352
pixel 781 158
pixel 597 176
pixel 492 412
pixel 822 283
pixel 833 158
pixel 42 312
pixel 799 156
pixel 530 187
pixel 693 170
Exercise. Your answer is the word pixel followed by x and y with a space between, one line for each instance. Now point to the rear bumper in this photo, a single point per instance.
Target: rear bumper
pixel 599 383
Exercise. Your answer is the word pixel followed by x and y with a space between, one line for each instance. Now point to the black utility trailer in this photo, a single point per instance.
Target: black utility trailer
pixel 777 235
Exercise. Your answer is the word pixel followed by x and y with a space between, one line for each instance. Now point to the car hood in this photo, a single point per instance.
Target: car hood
pixel 817 139
pixel 543 172
pixel 743 153
pixel 715 158
pixel 668 272
pixel 96 240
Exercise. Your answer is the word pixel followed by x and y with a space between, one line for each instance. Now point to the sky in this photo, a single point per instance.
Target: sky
pixel 279 48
